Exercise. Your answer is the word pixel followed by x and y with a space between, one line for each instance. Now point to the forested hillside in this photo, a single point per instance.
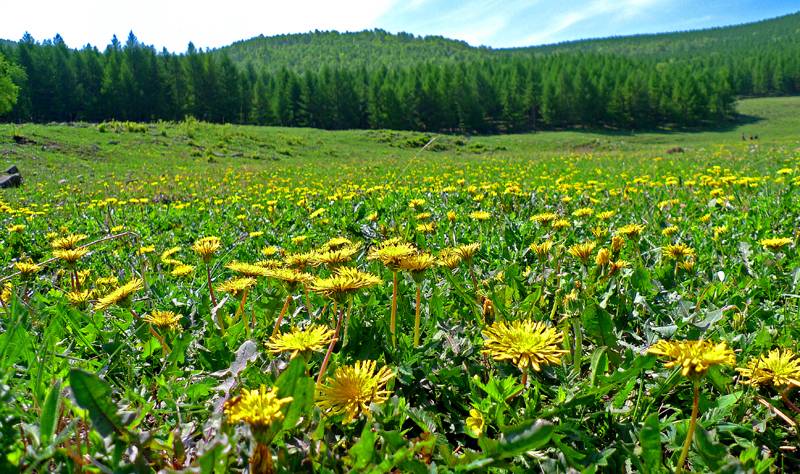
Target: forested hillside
pixel 374 79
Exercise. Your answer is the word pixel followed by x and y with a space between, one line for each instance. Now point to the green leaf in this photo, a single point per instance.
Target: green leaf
pixel 599 326
pixel 49 417
pixel 650 441
pixel 527 436
pixel 94 396
pixel 599 364
pixel 362 453
pixel 295 383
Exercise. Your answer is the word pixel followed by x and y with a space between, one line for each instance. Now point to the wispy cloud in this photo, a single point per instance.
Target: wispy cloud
pixel 615 11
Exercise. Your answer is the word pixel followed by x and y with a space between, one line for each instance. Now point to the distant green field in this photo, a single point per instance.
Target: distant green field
pixel 58 152
pixel 188 297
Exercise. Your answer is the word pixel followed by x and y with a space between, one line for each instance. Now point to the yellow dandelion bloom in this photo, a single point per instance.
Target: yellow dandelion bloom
pixel 352 389
pixel 313 338
pixel 79 298
pixel 427 228
pixel 779 368
pixel 235 286
pixel 270 251
pixel 583 212
pixel 669 231
pixel 603 257
pixel 146 249
pixel 417 263
pixel 69 242
pixel 343 282
pixel 542 249
pixel 480 215
pixel 630 231
pixel 258 408
pixel 336 257
pixel 167 254
pixel 164 320
pixel 300 260
pixel 290 275
pixel 678 252
pixel 582 251
pixel 606 215
pixel 16 228
pixel 337 243
pixel 392 254
pixel 544 218
pixel 775 243
pixel 525 343
pixel 207 247
pixel 693 357
pixel 467 251
pixel 121 296
pixel 70 256
pixel 182 270
pixel 247 269
pixel 449 258
pixel 475 423
pixel 617 265
pixel 561 224
pixel 27 269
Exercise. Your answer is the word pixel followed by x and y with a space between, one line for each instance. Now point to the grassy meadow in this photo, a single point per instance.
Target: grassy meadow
pixel 189 297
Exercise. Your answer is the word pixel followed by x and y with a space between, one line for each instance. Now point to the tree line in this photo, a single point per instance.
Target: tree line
pixel 485 94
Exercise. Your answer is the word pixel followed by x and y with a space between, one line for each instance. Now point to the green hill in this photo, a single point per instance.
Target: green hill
pixel 361 49
pixel 379 48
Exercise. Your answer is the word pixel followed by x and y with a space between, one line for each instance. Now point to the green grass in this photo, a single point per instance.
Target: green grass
pixel 87 381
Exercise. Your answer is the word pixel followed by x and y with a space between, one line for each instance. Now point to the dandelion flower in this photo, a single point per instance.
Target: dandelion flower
pixel 779 368
pixel 693 357
pixel 678 252
pixel 70 256
pixel 207 247
pixel 164 320
pixel 603 257
pixel 776 243
pixel 121 296
pixel 290 275
pixel 181 270
pixel 544 218
pixel 582 251
pixel 449 258
pixel 525 343
pixel 344 281
pixel 235 286
pixel 258 408
pixel 27 269
pixel 313 338
pixel 247 269
pixel 475 423
pixel 69 242
pixel 480 215
pixel 630 231
pixel 417 263
pixel 467 251
pixel 392 254
pixel 542 249
pixel 79 298
pixel 336 257
pixel 352 389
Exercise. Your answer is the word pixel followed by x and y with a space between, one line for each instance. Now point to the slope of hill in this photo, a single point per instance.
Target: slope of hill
pixel 364 48
pixel 378 48
pixel 784 30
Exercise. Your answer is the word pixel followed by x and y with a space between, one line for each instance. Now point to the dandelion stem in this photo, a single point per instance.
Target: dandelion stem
pixel 524 380
pixel 787 402
pixel 692 426
pixel 261 460
pixel 417 315
pixel 393 320
pixel 240 310
pixel 210 288
pixel 330 347
pixel 164 347
pixel 280 316
pixel 308 299
pixel 474 283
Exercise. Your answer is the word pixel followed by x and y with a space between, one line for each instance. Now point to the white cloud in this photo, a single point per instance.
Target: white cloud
pixel 610 10
pixel 174 23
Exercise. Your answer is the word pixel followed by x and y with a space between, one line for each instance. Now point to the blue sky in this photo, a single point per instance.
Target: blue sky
pixel 497 23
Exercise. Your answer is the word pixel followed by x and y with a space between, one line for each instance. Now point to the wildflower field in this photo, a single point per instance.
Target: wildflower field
pixel 202 298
